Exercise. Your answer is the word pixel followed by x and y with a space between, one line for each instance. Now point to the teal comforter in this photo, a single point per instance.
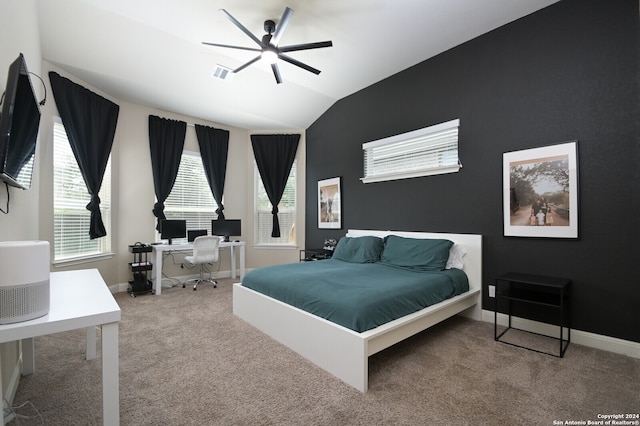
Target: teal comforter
pixel 359 296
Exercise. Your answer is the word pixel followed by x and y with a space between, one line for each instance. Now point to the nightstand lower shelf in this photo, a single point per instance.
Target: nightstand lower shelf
pixel 564 343
pixel 550 293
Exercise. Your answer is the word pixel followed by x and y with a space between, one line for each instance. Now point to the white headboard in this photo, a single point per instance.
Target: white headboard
pixel 472 243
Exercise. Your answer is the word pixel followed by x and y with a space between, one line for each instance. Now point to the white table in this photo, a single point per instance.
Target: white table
pixel 78 299
pixel 159 249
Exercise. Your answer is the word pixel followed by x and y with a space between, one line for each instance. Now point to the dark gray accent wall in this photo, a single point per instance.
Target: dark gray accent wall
pixel 567 72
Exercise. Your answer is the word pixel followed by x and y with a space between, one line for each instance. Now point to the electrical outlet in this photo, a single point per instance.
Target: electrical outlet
pixel 492 291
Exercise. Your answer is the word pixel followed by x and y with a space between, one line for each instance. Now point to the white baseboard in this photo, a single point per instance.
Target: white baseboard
pixel 592 340
pixel 120 287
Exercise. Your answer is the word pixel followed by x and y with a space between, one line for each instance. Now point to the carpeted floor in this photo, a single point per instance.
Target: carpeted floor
pixel 186 360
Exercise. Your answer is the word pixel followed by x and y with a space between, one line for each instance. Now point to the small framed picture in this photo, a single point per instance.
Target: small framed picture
pixel 329 202
pixel 540 192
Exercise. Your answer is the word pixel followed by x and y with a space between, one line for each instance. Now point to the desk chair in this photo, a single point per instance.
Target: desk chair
pixel 205 250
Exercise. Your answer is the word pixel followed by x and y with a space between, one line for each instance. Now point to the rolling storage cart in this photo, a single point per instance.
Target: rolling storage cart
pixel 140 268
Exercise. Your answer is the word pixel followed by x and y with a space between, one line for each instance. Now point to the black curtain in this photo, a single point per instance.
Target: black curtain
pixel 166 141
pixel 214 146
pixel 90 122
pixel 274 157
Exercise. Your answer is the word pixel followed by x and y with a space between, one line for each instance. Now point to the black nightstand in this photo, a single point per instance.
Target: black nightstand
pixel 309 255
pixel 552 293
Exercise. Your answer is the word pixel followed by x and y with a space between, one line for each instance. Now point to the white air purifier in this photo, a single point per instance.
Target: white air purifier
pixel 24 280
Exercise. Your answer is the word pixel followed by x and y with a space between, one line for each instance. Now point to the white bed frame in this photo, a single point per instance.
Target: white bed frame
pixel 344 352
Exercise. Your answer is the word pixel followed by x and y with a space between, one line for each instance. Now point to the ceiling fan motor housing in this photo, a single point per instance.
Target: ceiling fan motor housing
pixel 269 26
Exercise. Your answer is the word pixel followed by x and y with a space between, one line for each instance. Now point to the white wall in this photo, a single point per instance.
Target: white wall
pixel 31 212
pixel 133 191
pixel 18 34
pixel 135 194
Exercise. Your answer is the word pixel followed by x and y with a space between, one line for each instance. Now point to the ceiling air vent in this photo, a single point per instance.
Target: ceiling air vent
pixel 222 73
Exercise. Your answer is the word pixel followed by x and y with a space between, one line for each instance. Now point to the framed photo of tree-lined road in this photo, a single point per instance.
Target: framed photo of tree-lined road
pixel 540 191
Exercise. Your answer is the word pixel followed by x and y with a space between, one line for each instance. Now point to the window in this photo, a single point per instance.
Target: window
pixel 286 212
pixel 191 198
pixel 423 152
pixel 70 198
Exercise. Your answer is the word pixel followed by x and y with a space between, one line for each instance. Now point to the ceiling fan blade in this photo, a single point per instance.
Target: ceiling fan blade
pixel 305 46
pixel 298 63
pixel 276 73
pixel 240 68
pixel 282 25
pixel 232 47
pixel 242 27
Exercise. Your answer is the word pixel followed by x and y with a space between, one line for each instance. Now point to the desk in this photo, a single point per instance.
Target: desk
pixel 78 299
pixel 159 249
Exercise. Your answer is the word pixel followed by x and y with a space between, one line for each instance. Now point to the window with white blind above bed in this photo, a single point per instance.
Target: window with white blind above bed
pixel 428 151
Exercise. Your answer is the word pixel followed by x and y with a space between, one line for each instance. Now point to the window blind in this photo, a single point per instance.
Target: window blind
pixel 70 196
pixel 286 212
pixel 191 198
pixel 427 151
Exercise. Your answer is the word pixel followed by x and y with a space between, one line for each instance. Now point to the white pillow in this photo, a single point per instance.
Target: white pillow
pixel 456 253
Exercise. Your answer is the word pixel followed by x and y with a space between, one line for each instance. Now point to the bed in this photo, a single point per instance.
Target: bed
pixel 339 348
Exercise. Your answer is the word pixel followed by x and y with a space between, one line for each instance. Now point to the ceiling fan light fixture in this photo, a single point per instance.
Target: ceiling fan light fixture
pixel 269 56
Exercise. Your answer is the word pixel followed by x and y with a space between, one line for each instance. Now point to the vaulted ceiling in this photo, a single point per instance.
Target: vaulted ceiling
pixel 150 52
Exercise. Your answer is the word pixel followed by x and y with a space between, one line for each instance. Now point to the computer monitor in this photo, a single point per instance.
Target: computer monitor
pixel 192 234
pixel 226 228
pixel 172 228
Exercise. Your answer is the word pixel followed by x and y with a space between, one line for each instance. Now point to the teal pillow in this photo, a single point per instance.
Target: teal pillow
pixel 415 253
pixel 359 249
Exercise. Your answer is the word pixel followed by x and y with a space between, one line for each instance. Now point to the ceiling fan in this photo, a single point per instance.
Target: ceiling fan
pixel 269 49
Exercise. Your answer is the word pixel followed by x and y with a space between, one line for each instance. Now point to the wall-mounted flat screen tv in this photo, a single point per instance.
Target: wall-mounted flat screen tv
pixel 18 127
